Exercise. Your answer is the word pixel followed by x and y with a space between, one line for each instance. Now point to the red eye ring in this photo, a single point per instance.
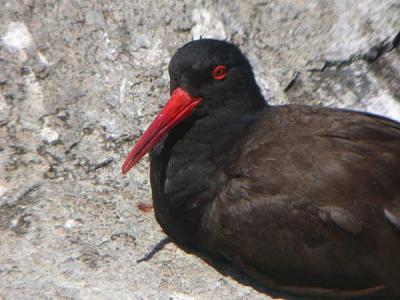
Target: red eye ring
pixel 219 72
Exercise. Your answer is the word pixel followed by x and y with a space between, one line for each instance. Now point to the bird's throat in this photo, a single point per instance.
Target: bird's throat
pixel 187 171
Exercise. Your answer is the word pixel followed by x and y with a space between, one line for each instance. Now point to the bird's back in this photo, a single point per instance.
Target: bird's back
pixel 312 201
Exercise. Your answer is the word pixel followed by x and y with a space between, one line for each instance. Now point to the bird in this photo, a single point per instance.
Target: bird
pixel 304 199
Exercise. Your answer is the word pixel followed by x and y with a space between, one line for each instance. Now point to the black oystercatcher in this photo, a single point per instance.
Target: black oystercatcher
pixel 304 199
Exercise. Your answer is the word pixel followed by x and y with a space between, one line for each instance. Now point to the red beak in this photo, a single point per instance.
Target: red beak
pixel 178 108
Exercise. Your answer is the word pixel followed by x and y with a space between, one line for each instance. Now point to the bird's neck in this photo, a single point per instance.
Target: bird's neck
pixel 188 170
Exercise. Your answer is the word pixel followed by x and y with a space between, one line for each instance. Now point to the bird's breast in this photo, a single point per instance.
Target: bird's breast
pixel 182 187
pixel 188 171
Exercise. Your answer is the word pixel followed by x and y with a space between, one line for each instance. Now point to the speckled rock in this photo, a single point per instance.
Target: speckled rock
pixel 79 82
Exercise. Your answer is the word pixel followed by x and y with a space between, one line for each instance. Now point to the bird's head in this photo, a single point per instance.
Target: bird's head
pixel 205 76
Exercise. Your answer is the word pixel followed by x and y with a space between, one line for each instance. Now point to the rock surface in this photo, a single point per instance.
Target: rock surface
pixel 79 82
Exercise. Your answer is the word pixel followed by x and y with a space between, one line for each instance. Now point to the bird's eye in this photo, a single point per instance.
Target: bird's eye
pixel 219 72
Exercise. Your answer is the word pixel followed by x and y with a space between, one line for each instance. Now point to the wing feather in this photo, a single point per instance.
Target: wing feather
pixel 300 202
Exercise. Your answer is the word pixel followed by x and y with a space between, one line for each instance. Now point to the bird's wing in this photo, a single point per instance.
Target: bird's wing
pixel 322 190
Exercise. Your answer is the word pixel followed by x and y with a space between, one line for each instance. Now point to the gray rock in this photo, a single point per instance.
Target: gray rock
pixel 79 82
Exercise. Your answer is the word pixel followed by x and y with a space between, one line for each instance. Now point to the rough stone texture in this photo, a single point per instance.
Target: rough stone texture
pixel 80 80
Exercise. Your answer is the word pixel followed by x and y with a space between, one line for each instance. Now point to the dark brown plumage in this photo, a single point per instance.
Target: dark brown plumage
pixel 304 199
